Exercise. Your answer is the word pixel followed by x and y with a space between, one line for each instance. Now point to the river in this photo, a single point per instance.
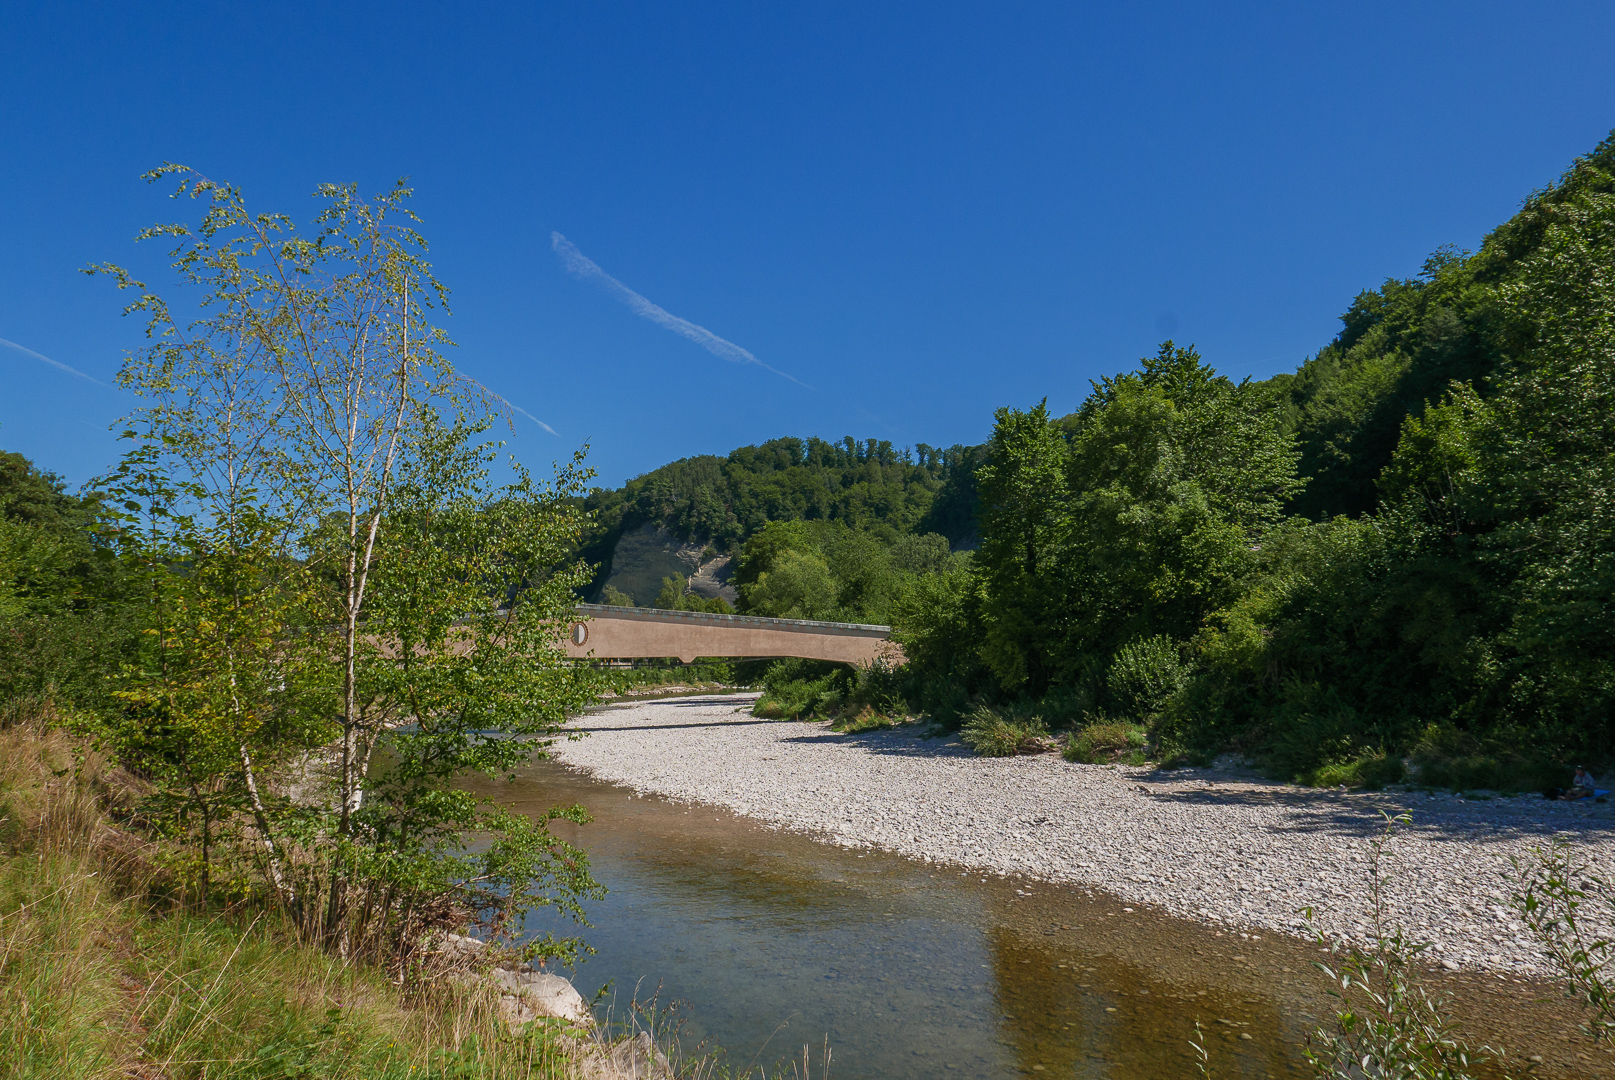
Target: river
pixel 762 941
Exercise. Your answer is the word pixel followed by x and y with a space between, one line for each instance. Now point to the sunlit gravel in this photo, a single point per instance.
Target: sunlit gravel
pixel 1219 845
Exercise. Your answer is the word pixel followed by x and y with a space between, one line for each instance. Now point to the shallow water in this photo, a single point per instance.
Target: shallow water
pixel 766 940
pixel 763 941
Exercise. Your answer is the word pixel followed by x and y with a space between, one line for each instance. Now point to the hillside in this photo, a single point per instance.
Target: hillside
pixel 691 516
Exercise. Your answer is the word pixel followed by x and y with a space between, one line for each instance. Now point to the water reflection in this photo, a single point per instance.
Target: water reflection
pixel 769 941
pixel 1072 1013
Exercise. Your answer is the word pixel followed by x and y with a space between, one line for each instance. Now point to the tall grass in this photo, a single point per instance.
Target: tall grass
pixel 1002 733
pixel 103 975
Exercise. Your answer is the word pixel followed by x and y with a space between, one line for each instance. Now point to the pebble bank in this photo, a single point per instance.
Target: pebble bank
pixel 1219 845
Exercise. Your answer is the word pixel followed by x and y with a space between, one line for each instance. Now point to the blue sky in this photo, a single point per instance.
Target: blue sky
pixel 921 211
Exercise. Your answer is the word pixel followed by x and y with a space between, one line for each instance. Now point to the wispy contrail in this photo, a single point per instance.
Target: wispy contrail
pixel 54 363
pixel 584 267
pixel 535 420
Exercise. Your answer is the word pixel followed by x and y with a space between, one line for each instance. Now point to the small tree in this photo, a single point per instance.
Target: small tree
pixel 316 427
pixel 1024 520
pixel 1388 1026
pixel 211 696
pixel 1555 886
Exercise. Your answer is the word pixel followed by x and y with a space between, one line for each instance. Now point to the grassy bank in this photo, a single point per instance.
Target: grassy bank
pixel 102 974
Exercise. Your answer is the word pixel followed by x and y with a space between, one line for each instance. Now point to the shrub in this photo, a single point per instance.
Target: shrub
pixel 992 733
pixel 865 719
pixel 615 597
pixel 1103 741
pixel 1446 757
pixel 1554 884
pixel 1373 770
pixel 1387 1022
pixel 798 689
pixel 1145 674
pixel 816 689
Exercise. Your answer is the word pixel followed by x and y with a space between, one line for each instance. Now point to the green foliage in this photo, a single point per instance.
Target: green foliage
pixel 1024 522
pixel 863 697
pixel 1103 741
pixel 804 689
pixel 1452 567
pixel 797 585
pixel 1399 349
pixel 940 624
pixel 1387 1024
pixel 866 486
pixel 1145 675
pixel 1554 885
pixel 62 616
pixel 676 595
pixel 321 554
pixel 615 597
pixel 1108 540
pixel 647 675
pixel 825 570
pixel 865 719
pixel 222 992
pixel 1004 732
pixel 1403 345
pixel 1372 771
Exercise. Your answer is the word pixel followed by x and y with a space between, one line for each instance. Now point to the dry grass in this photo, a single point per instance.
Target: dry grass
pixel 98 980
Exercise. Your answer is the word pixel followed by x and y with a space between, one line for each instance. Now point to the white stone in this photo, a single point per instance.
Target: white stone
pixel 528 995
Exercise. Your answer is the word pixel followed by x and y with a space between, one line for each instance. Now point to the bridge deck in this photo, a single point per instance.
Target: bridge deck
pixel 618 633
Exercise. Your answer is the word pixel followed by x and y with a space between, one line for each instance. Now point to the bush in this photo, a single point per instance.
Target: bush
pixel 1555 884
pixel 799 689
pixel 1105 741
pixel 1387 1023
pixel 647 675
pixel 222 991
pixel 1145 674
pixel 992 733
pixel 612 596
pixel 865 719
pixel 1372 771
pixel 1446 757
pixel 817 689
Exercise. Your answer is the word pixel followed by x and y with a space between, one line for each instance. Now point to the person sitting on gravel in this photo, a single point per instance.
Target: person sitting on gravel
pixel 1583 786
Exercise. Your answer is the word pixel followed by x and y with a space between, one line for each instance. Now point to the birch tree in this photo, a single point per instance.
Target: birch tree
pixel 312 388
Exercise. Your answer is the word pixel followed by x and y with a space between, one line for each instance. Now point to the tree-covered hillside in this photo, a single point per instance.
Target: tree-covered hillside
pixel 1406 548
pixel 1403 549
pixel 868 486
pixel 1403 345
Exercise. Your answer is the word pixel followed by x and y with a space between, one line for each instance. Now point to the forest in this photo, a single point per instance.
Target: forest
pixel 1401 555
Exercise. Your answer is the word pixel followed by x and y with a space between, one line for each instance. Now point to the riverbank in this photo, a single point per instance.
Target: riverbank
pixel 1222 846
pixel 103 972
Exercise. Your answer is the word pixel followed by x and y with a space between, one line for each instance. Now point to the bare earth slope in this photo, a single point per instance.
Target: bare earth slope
pixel 1224 847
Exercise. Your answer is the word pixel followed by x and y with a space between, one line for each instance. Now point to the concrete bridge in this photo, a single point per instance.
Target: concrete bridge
pixel 619 633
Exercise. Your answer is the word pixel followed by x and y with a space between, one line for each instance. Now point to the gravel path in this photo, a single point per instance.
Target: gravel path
pixel 1221 846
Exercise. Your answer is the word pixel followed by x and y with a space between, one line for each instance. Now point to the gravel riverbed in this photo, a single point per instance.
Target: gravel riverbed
pixel 1222 846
